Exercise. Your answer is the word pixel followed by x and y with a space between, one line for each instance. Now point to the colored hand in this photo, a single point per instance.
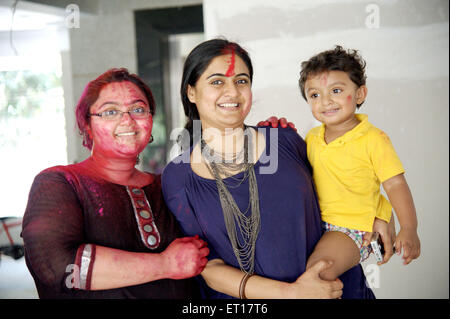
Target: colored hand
pixel 185 257
pixel 274 122
pixel 408 241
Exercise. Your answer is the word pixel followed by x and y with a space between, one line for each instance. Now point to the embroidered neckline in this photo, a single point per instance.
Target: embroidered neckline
pixel 144 217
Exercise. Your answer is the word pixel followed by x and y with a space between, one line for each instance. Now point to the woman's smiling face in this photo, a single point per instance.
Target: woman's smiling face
pixel 124 137
pixel 223 97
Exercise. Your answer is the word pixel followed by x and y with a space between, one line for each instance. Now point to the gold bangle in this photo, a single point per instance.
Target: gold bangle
pixel 242 285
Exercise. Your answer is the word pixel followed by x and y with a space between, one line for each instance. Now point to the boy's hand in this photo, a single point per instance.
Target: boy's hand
pixel 387 234
pixel 408 240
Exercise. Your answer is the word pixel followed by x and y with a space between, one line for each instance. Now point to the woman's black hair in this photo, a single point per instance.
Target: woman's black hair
pixel 194 66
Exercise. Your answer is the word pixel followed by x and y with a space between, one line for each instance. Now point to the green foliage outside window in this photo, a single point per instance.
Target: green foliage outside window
pixel 22 92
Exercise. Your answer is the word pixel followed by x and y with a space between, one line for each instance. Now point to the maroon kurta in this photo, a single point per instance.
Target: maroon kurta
pixel 69 212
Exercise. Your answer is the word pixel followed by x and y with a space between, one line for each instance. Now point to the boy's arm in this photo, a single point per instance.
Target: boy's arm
pixel 401 200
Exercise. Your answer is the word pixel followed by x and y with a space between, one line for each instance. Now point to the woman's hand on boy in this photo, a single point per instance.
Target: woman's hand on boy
pixel 311 286
pixel 274 122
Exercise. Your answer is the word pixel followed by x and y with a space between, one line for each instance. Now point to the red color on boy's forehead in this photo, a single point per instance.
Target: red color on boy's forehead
pixel 324 80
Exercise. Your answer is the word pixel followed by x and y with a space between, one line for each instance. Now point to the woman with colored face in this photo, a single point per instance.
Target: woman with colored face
pixel 247 192
pixel 100 228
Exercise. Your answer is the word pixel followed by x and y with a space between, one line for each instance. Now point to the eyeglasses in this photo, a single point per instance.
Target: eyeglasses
pixel 137 113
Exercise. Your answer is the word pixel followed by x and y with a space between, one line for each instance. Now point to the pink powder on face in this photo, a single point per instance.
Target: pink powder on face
pixel 323 80
pixel 349 98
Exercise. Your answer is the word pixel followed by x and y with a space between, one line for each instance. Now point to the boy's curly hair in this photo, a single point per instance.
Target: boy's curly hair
pixel 337 59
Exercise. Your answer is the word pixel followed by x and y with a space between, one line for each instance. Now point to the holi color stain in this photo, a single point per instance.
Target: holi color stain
pixel 230 71
pixel 323 80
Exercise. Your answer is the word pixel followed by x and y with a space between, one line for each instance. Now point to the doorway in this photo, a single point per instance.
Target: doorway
pixel 164 38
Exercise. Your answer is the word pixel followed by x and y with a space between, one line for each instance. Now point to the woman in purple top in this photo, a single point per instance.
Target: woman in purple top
pixel 248 193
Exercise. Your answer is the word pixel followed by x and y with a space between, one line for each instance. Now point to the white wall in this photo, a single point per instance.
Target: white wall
pixel 407 68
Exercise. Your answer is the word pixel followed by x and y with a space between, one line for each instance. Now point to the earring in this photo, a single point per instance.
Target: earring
pixel 151 139
pixel 92 148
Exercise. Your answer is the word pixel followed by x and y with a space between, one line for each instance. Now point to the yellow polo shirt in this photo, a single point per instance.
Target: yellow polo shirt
pixel 348 172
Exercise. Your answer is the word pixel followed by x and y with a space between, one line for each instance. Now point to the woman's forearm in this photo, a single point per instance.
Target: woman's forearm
pixel 114 268
pixel 227 279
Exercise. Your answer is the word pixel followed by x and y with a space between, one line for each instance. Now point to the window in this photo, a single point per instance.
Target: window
pixel 32 125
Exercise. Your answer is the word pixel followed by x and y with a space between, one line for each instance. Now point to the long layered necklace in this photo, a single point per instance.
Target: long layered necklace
pixel 247 224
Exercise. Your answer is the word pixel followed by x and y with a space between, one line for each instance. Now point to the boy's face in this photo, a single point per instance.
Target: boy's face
pixel 333 97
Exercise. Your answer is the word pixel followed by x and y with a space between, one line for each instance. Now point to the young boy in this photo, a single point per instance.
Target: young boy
pixel 350 159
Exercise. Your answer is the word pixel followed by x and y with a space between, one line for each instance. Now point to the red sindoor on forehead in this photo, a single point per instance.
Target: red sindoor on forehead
pixel 230 71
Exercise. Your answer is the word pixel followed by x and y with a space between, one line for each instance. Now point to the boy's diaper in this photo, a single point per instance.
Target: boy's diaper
pixel 356 235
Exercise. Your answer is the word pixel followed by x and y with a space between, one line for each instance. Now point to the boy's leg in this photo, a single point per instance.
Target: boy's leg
pixel 337 247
